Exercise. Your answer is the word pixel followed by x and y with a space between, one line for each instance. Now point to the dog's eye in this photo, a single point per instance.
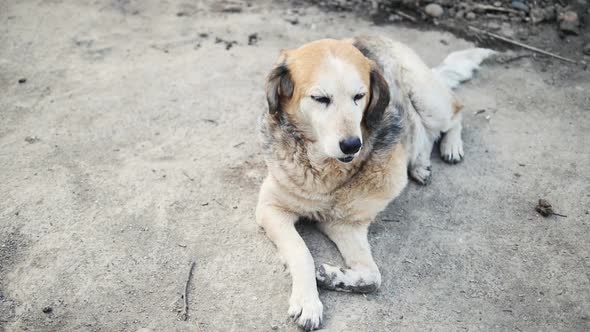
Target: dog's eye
pixel 322 99
pixel 358 96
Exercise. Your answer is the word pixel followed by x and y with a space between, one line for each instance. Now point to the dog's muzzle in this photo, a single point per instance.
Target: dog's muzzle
pixel 350 146
pixel 346 159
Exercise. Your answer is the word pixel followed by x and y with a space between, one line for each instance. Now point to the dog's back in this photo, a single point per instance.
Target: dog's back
pixel 431 106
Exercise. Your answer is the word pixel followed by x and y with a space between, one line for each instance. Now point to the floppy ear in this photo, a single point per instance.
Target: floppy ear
pixel 379 99
pixel 279 88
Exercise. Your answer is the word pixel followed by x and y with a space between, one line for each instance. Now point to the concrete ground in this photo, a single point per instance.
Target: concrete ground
pixel 131 149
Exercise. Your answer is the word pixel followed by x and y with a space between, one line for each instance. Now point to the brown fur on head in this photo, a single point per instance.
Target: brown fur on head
pixel 330 91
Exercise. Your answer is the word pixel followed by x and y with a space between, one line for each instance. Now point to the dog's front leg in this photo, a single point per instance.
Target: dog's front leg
pixel 304 306
pixel 362 274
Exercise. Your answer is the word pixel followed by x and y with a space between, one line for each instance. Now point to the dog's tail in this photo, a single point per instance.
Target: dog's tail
pixel 460 66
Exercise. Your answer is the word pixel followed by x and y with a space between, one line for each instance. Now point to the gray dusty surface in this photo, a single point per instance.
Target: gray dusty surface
pixel 147 158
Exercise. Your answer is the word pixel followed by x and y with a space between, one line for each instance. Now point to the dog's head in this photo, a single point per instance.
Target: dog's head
pixel 331 92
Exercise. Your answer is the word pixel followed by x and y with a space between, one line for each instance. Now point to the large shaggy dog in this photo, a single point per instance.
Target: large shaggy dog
pixel 348 120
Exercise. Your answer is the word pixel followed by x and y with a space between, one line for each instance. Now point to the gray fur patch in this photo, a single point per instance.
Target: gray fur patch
pixel 389 130
pixel 386 132
pixel 277 132
pixel 366 51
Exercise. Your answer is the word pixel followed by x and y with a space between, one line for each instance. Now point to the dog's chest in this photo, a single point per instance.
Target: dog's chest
pixel 352 205
pixel 360 200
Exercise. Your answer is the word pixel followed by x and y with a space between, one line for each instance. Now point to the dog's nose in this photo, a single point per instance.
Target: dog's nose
pixel 350 145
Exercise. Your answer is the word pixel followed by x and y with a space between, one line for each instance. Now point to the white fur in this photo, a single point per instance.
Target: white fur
pixel 460 66
pixel 432 104
pixel 342 118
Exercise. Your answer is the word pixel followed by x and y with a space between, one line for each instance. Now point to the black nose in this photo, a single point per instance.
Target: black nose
pixel 350 145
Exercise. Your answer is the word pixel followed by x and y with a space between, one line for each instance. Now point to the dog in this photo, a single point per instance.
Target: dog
pixel 347 122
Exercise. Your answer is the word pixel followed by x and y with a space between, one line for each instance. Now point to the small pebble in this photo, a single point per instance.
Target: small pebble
pixel 22 80
pixel 470 16
pixel 253 39
pixel 494 26
pixel 537 15
pixel 506 30
pixel 569 22
pixel 434 10
pixel 47 310
pixel 586 49
pixel 32 139
pixel 394 18
pixel 232 9
pixel 520 6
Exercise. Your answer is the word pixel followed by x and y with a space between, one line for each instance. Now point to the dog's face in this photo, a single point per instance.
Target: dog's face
pixel 330 91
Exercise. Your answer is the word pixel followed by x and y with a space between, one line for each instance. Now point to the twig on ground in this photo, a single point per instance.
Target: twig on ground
pixel 185 174
pixel 210 121
pixel 188 281
pixel 528 47
pixel 220 204
pixel 239 144
pixel 406 16
pixel 545 209
pixel 496 16
pixel 159 48
pixel 479 112
pixel 495 9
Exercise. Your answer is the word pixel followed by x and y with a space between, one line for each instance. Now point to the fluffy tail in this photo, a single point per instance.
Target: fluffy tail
pixel 460 66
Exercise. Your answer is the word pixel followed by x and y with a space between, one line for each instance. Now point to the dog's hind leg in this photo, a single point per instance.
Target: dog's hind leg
pixel 451 145
pixel 419 143
pixel 420 166
pixel 362 274
pixel 305 306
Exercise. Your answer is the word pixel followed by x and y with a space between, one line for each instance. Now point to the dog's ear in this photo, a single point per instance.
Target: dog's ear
pixel 279 88
pixel 379 98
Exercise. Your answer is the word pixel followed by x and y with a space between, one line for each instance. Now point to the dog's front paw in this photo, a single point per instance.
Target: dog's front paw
pixel 348 280
pixel 306 311
pixel 451 149
pixel 421 174
pixel 329 276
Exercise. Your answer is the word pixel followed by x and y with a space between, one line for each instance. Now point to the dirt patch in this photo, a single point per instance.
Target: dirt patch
pixel 246 174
